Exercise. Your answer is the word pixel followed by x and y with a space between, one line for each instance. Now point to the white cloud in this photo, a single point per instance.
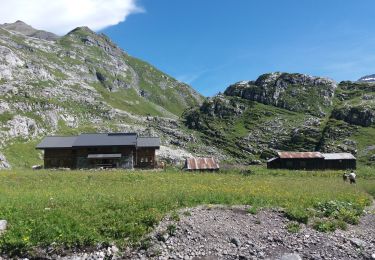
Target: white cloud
pixel 61 16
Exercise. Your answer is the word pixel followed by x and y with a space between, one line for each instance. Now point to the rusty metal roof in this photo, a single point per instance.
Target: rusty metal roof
pixel 338 156
pixel 201 164
pixel 300 155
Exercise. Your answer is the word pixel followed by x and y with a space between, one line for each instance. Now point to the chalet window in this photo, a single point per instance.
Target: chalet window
pixel 142 159
pixel 114 149
pixel 146 159
pixel 289 163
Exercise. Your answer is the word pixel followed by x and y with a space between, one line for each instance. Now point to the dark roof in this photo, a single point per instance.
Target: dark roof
pixel 300 155
pixel 57 142
pixel 115 139
pixel 148 142
pixel 201 164
pixel 95 140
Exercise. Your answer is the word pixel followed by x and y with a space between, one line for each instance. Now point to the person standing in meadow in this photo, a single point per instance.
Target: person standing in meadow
pixel 352 176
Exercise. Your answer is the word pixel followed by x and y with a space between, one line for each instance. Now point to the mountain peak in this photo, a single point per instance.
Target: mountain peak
pixel 27 30
pixel 82 29
pixel 368 78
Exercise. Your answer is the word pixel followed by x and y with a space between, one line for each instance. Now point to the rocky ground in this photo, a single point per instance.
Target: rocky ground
pixel 219 232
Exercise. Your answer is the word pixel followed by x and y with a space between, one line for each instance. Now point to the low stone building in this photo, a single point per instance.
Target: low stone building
pixel 107 150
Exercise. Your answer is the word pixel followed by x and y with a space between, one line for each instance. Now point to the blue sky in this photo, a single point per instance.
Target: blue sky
pixel 211 44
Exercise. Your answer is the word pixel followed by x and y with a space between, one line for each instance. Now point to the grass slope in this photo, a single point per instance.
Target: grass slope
pixel 83 208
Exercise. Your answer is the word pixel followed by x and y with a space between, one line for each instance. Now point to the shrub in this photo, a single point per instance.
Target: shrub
pixel 325 225
pixel 340 210
pixel 175 216
pixel 145 243
pixel 293 227
pixel 253 210
pixel 297 214
pixel 171 229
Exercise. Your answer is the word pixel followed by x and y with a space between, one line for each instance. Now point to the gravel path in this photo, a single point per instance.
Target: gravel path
pixel 232 233
pixel 220 232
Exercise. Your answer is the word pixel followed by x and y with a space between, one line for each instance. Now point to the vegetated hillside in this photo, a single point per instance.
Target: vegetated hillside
pixel 81 82
pixel 290 112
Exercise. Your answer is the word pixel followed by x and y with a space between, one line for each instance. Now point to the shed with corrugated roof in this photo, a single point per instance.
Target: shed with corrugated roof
pixel 312 161
pixel 339 161
pixel 297 161
pixel 201 164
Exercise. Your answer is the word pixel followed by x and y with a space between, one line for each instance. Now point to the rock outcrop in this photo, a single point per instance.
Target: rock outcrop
pixel 295 92
pixel 289 112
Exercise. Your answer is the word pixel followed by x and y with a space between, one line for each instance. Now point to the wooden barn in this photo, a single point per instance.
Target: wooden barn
pixel 201 164
pixel 312 161
pixel 107 150
pixel 296 160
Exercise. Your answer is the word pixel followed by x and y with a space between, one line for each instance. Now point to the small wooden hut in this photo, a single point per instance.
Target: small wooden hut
pixel 201 164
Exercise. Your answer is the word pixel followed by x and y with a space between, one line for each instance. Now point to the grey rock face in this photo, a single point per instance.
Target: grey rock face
pixel 295 92
pixel 357 115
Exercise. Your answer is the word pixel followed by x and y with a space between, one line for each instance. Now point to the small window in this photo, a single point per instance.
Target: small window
pixel 146 159
pixel 142 159
pixel 289 163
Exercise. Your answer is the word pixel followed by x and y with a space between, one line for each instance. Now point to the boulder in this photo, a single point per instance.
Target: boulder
pixel 3 162
pixel 358 242
pixel 291 257
pixel 3 225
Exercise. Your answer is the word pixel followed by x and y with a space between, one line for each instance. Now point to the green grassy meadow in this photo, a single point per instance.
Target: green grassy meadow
pixel 82 208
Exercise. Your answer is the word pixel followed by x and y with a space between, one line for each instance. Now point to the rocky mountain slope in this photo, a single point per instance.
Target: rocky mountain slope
pixel 280 111
pixel 81 82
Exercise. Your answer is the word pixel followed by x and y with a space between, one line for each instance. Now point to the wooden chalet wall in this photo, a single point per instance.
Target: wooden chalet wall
pixel 342 164
pixel 297 163
pixel 146 158
pixel 59 158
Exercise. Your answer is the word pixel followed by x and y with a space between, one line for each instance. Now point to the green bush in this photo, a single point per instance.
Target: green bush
pixel 297 214
pixel 253 210
pixel 325 225
pixel 171 229
pixel 293 227
pixel 340 210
